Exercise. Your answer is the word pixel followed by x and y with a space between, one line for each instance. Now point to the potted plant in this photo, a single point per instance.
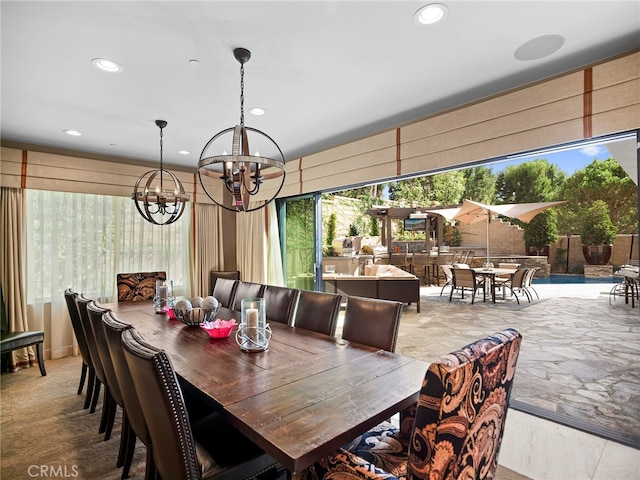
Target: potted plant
pixel 540 232
pixel 598 234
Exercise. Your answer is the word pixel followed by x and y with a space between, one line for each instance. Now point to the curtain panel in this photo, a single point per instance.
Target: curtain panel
pixel 12 278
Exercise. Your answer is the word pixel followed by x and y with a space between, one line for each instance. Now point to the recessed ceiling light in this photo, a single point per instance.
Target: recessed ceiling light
pixel 257 111
pixel 539 47
pixel 73 133
pixel 430 14
pixel 184 152
pixel 106 65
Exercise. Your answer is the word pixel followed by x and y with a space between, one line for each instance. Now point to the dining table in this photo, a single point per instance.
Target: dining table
pixel 299 400
pixel 489 276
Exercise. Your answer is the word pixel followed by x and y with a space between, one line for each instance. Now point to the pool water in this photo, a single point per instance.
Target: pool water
pixel 560 278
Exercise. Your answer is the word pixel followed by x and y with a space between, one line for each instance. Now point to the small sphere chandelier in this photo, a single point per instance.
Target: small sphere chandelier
pixel 243 174
pixel 156 204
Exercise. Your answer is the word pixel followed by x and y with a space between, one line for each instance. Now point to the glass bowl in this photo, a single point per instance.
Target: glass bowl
pixel 219 328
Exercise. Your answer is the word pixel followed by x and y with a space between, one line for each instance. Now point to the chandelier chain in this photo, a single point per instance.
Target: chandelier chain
pixel 242 94
pixel 161 143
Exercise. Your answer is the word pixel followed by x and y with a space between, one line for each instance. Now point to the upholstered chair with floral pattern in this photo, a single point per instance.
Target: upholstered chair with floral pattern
pixel 458 424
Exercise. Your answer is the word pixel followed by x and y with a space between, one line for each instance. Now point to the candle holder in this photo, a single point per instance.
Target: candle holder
pixel 254 333
pixel 164 295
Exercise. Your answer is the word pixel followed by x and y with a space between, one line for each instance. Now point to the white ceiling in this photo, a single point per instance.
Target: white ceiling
pixel 327 72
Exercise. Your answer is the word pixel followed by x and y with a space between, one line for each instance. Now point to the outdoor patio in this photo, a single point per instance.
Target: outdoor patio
pixel 580 357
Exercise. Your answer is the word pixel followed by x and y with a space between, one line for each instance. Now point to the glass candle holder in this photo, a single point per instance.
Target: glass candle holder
pixel 254 332
pixel 164 295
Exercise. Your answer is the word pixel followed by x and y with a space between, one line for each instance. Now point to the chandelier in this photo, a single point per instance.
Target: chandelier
pixel 158 194
pixel 253 180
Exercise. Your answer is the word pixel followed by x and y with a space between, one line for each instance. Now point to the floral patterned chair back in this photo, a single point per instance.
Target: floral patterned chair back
pixel 452 433
pixel 137 287
pixel 462 409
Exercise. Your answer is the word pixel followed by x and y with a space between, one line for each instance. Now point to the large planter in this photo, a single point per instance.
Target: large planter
pixel 597 254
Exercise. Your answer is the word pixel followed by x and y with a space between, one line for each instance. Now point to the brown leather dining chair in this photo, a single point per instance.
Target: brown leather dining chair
pixel 225 291
pixel 426 445
pixel 280 303
pixel 96 313
pixel 135 425
pixel 372 322
pixel 246 290
pixel 214 275
pixel 209 448
pixel 93 341
pixel 318 311
pixel 87 373
pixel 82 302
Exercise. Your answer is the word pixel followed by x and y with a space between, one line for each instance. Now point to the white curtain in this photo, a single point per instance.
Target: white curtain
pixel 82 241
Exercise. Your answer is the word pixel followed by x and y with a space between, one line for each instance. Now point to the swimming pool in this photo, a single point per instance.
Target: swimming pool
pixel 556 278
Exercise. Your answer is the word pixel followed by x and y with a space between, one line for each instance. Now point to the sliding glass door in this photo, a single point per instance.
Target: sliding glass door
pixel 299 232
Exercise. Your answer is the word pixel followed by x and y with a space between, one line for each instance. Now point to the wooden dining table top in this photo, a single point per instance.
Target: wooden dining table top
pixel 299 400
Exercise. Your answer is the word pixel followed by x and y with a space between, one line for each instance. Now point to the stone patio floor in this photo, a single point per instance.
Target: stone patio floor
pixel 580 356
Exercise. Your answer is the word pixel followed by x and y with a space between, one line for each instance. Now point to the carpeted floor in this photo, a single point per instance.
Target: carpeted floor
pixel 47 434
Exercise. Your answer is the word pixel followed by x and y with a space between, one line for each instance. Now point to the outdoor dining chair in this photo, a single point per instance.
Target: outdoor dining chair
pixel 465 279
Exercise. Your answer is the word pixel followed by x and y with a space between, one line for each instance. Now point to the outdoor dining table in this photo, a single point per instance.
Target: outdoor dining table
pixel 299 400
pixel 490 276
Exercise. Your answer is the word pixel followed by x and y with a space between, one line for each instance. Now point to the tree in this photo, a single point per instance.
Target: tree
pixel 597 227
pixel 536 181
pixel 480 184
pixel 542 230
pixel 600 180
pixel 439 189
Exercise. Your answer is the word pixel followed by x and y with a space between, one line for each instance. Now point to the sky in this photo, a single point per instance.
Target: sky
pixel 569 161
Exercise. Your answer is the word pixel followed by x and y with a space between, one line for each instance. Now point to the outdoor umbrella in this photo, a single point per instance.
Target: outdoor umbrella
pixel 472 212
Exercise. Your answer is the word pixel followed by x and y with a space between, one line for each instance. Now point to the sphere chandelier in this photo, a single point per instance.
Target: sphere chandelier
pixel 156 204
pixel 252 180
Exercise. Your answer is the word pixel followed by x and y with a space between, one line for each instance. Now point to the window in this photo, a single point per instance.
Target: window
pixel 82 241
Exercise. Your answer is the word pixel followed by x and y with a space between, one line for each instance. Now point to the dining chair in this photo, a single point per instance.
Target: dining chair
pixel 400 260
pixel 135 425
pixel 209 448
pixel 224 291
pixel 420 263
pixel 82 302
pixel 87 373
pixel 515 283
pixel 455 429
pixel 246 290
pixel 528 281
pixel 138 287
pixel 372 322
pixel 280 303
pixel 214 275
pixel 95 318
pixel 448 274
pixel 318 312
pixel 465 279
pixel 443 258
